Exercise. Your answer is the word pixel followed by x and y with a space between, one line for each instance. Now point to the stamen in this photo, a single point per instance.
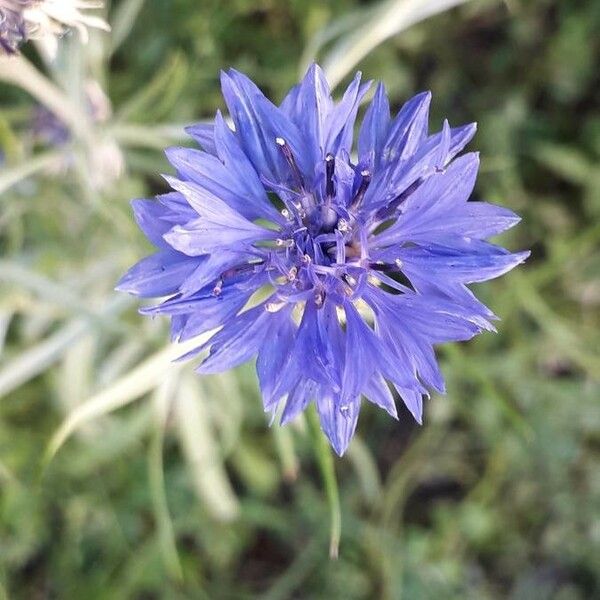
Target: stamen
pixel 399 263
pixel 350 280
pixel 343 226
pixel 273 307
pixel 291 276
pixel 329 168
pixel 364 244
pixel 328 218
pixel 319 299
pixel 218 288
pixel 340 248
pixel 360 193
pixel 289 157
pixel 284 243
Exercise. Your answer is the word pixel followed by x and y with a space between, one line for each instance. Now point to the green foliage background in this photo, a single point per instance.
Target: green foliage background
pixel 185 492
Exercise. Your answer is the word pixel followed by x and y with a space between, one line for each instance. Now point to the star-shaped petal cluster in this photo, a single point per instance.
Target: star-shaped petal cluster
pixel 339 268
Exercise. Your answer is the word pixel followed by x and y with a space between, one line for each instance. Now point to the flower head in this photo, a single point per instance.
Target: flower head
pixel 13 28
pixel 339 273
pixel 45 20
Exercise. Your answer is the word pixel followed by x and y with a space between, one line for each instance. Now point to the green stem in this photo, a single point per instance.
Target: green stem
pixel 285 449
pixel 165 528
pixel 327 468
pixel 13 175
pixel 20 72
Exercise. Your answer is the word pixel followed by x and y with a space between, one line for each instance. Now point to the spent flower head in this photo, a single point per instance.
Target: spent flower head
pixel 13 27
pixel 340 274
pixel 45 21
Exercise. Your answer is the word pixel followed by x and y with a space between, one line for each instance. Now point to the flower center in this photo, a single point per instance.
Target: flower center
pixel 323 237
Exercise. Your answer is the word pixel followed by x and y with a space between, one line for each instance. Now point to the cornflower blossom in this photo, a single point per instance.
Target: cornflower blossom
pixel 45 21
pixel 339 273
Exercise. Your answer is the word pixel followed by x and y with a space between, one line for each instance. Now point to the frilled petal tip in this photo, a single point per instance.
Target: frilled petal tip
pixel 338 422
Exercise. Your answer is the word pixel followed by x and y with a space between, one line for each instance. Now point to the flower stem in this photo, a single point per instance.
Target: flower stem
pixel 12 175
pixel 327 468
pixel 20 72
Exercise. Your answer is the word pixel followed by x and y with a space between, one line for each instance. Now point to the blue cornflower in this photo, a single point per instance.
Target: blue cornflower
pixel 339 273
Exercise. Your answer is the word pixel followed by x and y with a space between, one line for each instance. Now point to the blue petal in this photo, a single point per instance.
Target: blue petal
pixel 390 182
pixel 149 215
pixel 258 123
pixel 203 133
pixel 210 269
pixel 407 329
pixel 408 130
pixel 374 129
pixel 157 275
pixel 301 396
pixel 378 392
pixel 177 208
pixel 309 106
pixel 340 125
pixel 441 193
pixel 413 400
pixel 439 209
pixel 459 260
pixel 325 126
pixel 290 106
pixel 478 220
pixel 248 186
pixel 209 234
pixel 459 138
pixel 443 151
pixel 239 340
pixel 214 312
pixel 219 227
pixel 205 310
pixel 177 325
pixel 316 353
pixel 458 294
pixel 338 422
pixel 244 193
pixel 393 360
pixel 435 320
pixel 314 349
pixel 361 354
pixel 272 357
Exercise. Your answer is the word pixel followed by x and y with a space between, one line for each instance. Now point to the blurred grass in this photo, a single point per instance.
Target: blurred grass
pixel 496 496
